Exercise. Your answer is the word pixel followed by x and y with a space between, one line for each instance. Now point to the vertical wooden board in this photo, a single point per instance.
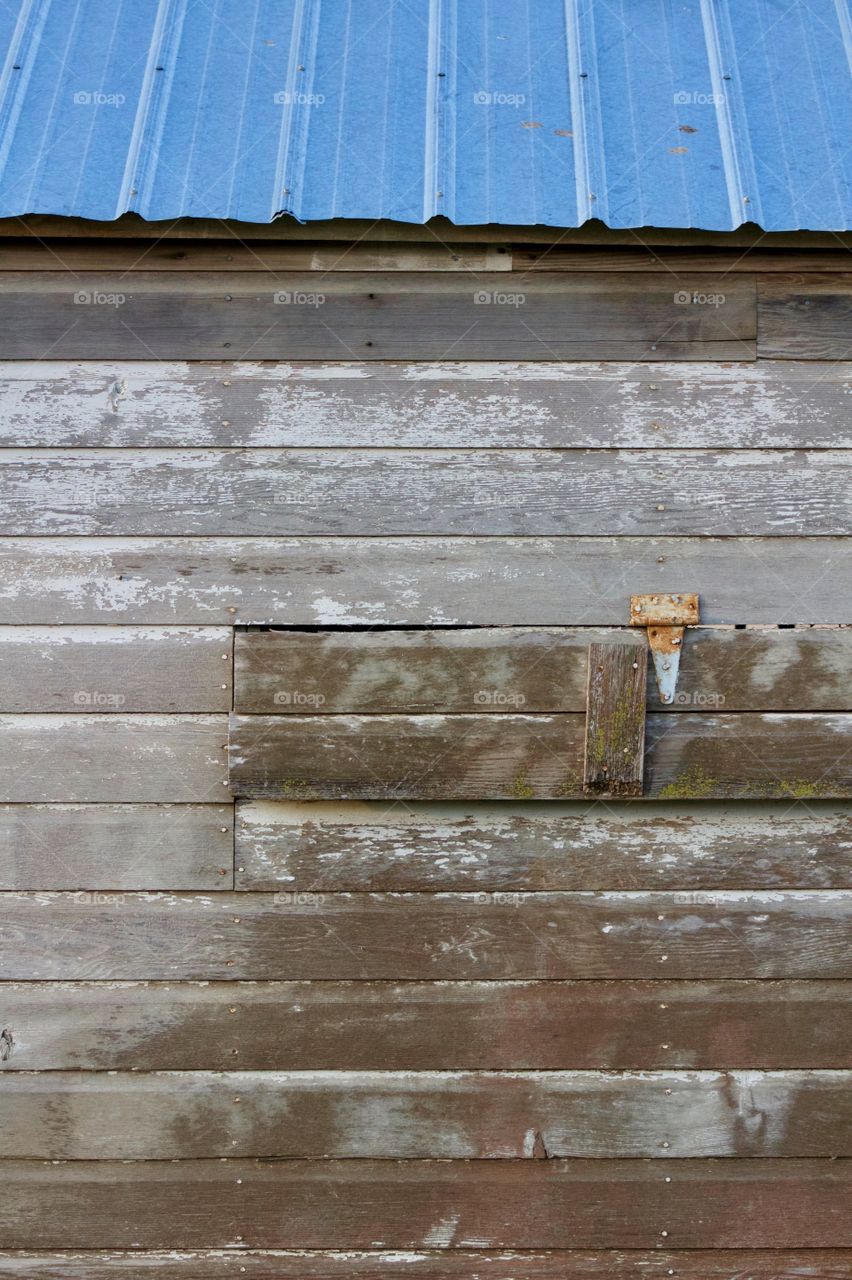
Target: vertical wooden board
pixel 615 720
pixel 116 846
pixel 129 669
pixel 115 758
pixel 352 1204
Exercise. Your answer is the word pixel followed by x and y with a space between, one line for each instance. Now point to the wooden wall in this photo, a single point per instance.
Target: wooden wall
pixel 277 1038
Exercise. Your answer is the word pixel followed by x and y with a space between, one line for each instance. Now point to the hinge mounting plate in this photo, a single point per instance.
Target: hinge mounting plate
pixel 666 618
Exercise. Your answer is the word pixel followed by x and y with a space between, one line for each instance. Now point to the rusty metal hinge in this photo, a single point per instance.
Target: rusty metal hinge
pixel 666 618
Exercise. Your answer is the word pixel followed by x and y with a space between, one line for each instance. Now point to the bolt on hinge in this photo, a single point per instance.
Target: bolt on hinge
pixel 666 618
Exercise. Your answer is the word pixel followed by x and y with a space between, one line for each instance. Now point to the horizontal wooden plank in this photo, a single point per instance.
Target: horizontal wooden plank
pixel 805 317
pixel 745 756
pixel 116 758
pixel 146 404
pixel 364 847
pixel 571 257
pixel 529 1204
pixel 418 581
pixel 374 316
pixel 454 1264
pixel 229 255
pixel 511 669
pixel 165 492
pixel 725 934
pixel 425 1115
pixel 130 669
pixel 116 846
pixel 416 1026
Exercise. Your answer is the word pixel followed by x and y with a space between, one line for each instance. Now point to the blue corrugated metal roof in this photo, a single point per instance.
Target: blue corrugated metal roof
pixel 667 113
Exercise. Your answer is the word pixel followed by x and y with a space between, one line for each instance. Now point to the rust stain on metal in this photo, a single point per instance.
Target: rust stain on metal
pixel 664 610
pixel 665 617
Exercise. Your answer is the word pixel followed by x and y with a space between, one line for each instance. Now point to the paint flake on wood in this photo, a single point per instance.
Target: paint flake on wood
pixel 580 405
pixel 327 846
pixel 615 720
pixel 417 581
pixel 321 492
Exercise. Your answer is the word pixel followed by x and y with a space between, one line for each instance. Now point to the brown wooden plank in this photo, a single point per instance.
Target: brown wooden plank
pixel 388 492
pixel 113 255
pixel 505 669
pixel 130 669
pixel 455 1264
pixel 418 581
pixel 373 316
pixel 742 756
pixel 147 404
pixel 527 845
pixel 425 1115
pixel 116 846
pixel 112 758
pixel 614 741
pixel 803 317
pixel 725 934
pixel 589 1204
pixel 416 1026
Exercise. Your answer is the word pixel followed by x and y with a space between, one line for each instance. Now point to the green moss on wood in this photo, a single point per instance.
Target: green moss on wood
pixel 521 788
pixel 693 784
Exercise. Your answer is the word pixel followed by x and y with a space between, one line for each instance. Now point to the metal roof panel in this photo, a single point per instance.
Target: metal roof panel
pixel 663 113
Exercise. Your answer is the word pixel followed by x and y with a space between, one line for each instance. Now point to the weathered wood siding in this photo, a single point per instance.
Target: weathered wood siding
pixel 425 1035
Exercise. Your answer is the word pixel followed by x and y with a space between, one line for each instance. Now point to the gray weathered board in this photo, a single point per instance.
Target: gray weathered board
pixel 112 758
pixel 430 1264
pixel 521 846
pixel 371 492
pixel 425 1115
pixel 745 755
pixel 128 669
pixel 380 316
pixel 805 317
pixel 410 1204
pixel 701 935
pixel 653 1025
pixel 167 405
pixel 511 669
pixel 418 581
pixel 116 846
